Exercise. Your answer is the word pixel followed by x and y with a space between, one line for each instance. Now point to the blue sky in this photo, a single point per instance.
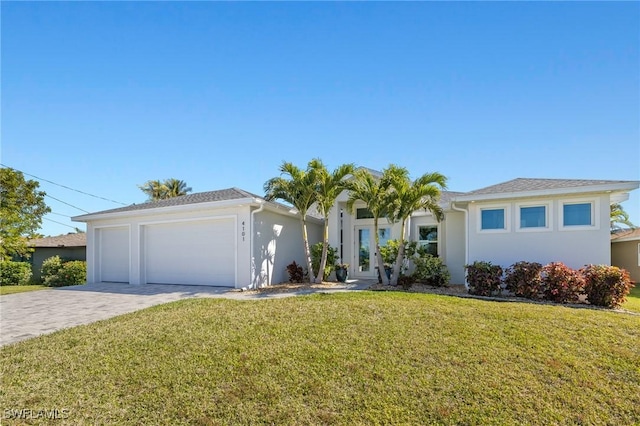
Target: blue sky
pixel 103 96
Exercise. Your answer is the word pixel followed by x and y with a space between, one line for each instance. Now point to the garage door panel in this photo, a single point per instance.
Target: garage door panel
pixel 195 253
pixel 114 254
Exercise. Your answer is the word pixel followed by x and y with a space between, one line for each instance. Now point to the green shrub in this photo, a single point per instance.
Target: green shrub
pixel 389 251
pixel 483 278
pixel 561 284
pixel 431 270
pixel 57 273
pixel 316 254
pixel 406 281
pixel 524 280
pixel 296 273
pixel 15 273
pixel 606 285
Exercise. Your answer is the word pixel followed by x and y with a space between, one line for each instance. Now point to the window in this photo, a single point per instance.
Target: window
pixel 428 238
pixel 577 214
pixel 364 213
pixel 492 219
pixel 533 217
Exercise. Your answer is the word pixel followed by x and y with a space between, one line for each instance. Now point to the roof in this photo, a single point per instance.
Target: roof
pixel 68 240
pixel 625 235
pixel 538 187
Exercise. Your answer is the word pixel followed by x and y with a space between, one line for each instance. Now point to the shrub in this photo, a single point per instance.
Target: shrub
pixel 483 278
pixel 431 270
pixel 57 273
pixel 606 285
pixel 296 273
pixel 389 252
pixel 15 273
pixel 561 284
pixel 524 280
pixel 406 281
pixel 316 254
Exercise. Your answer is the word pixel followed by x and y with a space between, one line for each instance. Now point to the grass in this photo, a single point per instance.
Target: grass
pixel 12 289
pixel 633 300
pixel 351 358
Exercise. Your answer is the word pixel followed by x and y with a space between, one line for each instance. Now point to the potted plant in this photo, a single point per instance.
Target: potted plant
pixel 342 271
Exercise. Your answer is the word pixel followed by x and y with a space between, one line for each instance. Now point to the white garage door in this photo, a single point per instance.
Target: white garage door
pixel 195 252
pixel 113 254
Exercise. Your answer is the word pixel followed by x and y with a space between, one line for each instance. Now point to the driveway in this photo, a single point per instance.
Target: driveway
pixel 30 314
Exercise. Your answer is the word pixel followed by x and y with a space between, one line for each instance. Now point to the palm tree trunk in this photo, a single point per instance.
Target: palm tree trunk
pixel 400 257
pixel 325 249
pixel 307 251
pixel 381 271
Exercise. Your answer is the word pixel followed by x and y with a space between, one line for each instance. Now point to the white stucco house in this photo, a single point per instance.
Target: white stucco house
pixel 237 239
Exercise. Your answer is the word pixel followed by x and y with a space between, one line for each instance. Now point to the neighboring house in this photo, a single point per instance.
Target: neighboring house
pixel 234 238
pixel 68 247
pixel 229 238
pixel 625 251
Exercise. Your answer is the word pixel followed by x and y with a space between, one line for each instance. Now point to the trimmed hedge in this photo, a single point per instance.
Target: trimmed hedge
pixel 15 273
pixel 484 278
pixel 524 279
pixel 58 273
pixel 561 284
pixel 606 285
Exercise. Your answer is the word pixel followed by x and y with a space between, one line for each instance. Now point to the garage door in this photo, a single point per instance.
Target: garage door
pixel 195 252
pixel 113 254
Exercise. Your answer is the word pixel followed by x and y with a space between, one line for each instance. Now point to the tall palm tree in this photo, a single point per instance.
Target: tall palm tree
pixel 296 187
pixel 328 187
pixel 374 193
pixel 406 197
pixel 176 187
pixel 162 190
pixel 619 217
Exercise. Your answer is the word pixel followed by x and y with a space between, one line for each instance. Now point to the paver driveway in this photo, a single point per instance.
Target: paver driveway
pixel 30 314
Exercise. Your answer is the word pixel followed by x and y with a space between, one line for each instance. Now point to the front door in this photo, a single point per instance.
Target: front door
pixel 365 250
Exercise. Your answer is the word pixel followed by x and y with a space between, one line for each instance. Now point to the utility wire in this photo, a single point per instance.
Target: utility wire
pixel 64 186
pixel 59 223
pixel 64 202
pixel 60 214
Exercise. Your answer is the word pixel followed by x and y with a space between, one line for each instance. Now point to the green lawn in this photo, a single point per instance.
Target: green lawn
pixel 351 358
pixel 633 300
pixel 11 289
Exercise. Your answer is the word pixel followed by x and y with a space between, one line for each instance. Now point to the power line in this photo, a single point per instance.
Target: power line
pixel 64 186
pixel 60 214
pixel 59 223
pixel 64 202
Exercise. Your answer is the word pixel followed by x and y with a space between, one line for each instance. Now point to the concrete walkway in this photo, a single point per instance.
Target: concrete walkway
pixel 30 314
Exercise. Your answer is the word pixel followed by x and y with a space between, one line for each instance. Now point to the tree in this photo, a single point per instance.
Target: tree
pixel 162 190
pixel 374 193
pixel 327 188
pixel 22 207
pixel 619 217
pixel 406 197
pixel 296 187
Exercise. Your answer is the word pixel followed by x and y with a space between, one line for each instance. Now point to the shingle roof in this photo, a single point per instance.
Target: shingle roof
pixel 527 184
pixel 68 240
pixel 199 197
pixel 627 234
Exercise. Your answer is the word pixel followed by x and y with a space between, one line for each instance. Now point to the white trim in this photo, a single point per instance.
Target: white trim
pixel 430 225
pixel 595 214
pixel 548 215
pixel 507 218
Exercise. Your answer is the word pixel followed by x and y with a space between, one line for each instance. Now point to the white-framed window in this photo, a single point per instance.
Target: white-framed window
pixel 533 217
pixel 493 219
pixel 428 238
pixel 579 214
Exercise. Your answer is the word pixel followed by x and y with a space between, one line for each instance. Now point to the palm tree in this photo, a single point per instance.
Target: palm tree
pixel 176 187
pixel 298 189
pixel 328 187
pixel 374 193
pixel 162 190
pixel 406 197
pixel 619 217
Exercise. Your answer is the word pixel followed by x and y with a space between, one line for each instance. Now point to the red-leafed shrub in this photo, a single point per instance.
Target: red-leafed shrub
pixel 561 284
pixel 483 278
pixel 523 279
pixel 606 285
pixel 296 273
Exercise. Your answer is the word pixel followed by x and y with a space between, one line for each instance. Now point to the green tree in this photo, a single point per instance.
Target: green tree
pixel 619 217
pixel 296 187
pixel 405 197
pixel 374 193
pixel 328 187
pixel 22 207
pixel 162 190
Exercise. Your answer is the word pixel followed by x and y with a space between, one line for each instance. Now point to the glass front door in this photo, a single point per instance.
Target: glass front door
pixel 365 255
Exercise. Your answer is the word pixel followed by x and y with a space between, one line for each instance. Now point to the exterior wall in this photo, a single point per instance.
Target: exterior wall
pixel 624 254
pixel 136 246
pixel 277 243
pixel 42 253
pixel 574 247
pixel 454 245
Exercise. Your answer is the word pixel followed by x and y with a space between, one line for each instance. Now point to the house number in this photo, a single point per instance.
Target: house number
pixel 243 230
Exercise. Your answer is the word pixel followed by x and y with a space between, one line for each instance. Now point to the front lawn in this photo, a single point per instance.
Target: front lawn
pixel 633 300
pixel 351 358
pixel 12 289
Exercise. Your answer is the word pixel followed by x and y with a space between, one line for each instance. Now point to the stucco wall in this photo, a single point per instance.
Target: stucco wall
pixel 624 254
pixel 575 247
pixel 454 245
pixel 42 253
